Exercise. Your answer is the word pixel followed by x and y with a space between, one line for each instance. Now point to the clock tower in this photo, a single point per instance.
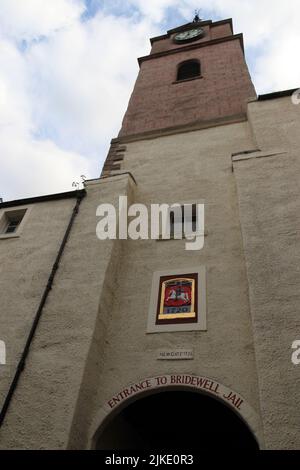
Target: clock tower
pixel 187 115
pixel 194 74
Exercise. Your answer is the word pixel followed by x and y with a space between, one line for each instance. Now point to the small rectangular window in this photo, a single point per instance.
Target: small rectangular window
pixel 188 213
pixel 10 221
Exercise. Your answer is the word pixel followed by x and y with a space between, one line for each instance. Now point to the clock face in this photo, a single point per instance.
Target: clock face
pixel 189 35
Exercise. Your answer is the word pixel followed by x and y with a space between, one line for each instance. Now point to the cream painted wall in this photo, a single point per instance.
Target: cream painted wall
pixel 180 168
pixel 92 338
pixel 42 409
pixel 269 201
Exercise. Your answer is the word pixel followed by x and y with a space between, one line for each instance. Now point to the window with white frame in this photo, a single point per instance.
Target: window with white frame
pixel 10 221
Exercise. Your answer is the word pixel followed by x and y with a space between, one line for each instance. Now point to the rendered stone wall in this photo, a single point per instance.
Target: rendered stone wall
pixel 43 406
pixel 189 167
pixel 269 201
pixel 25 265
pixel 92 339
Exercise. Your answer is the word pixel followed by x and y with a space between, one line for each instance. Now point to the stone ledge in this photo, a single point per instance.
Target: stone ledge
pixel 181 129
pixel 253 154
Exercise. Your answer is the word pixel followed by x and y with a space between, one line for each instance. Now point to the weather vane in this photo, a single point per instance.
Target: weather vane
pixel 197 18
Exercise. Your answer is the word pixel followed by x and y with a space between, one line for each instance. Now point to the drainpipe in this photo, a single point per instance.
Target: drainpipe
pixel 21 365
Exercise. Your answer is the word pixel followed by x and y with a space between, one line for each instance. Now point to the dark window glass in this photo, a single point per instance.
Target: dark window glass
pixel 189 69
pixel 173 221
pixel 12 226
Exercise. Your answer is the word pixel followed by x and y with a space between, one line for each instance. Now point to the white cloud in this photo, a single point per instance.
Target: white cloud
pixel 279 67
pixel 272 29
pixel 62 99
pixel 28 166
pixel 154 9
pixel 82 79
pixel 65 83
pixel 36 167
pixel 29 19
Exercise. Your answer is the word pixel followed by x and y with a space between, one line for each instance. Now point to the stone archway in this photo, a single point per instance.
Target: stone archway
pixel 128 418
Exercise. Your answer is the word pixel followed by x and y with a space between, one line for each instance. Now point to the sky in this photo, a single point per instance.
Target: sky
pixel 68 67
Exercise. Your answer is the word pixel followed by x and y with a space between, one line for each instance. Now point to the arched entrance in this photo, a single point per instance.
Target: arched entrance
pixel 175 419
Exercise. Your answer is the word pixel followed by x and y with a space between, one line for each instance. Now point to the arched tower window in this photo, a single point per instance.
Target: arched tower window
pixel 188 69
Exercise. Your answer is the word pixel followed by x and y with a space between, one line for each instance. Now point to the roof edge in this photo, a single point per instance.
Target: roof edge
pixel 187 25
pixel 48 197
pixel 277 94
pixel 193 46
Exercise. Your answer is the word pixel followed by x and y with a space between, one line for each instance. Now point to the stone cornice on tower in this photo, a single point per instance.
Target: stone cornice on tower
pixel 190 47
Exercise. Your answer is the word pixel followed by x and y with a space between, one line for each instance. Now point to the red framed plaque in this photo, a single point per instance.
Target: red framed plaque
pixel 177 299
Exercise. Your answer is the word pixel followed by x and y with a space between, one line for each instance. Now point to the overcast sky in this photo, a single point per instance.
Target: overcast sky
pixel 67 68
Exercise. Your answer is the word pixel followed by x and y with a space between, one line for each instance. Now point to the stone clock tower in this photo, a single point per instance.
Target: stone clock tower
pixel 132 342
pixel 164 97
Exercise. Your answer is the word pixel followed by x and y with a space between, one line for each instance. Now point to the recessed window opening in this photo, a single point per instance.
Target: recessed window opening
pixel 186 213
pixel 11 220
pixel 188 69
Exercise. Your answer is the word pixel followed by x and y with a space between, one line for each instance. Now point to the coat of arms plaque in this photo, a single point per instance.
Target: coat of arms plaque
pixel 177 301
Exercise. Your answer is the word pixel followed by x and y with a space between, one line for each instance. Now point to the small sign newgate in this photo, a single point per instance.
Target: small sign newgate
pixel 175 354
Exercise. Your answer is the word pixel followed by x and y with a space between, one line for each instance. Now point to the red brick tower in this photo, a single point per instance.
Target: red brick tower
pixel 194 73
